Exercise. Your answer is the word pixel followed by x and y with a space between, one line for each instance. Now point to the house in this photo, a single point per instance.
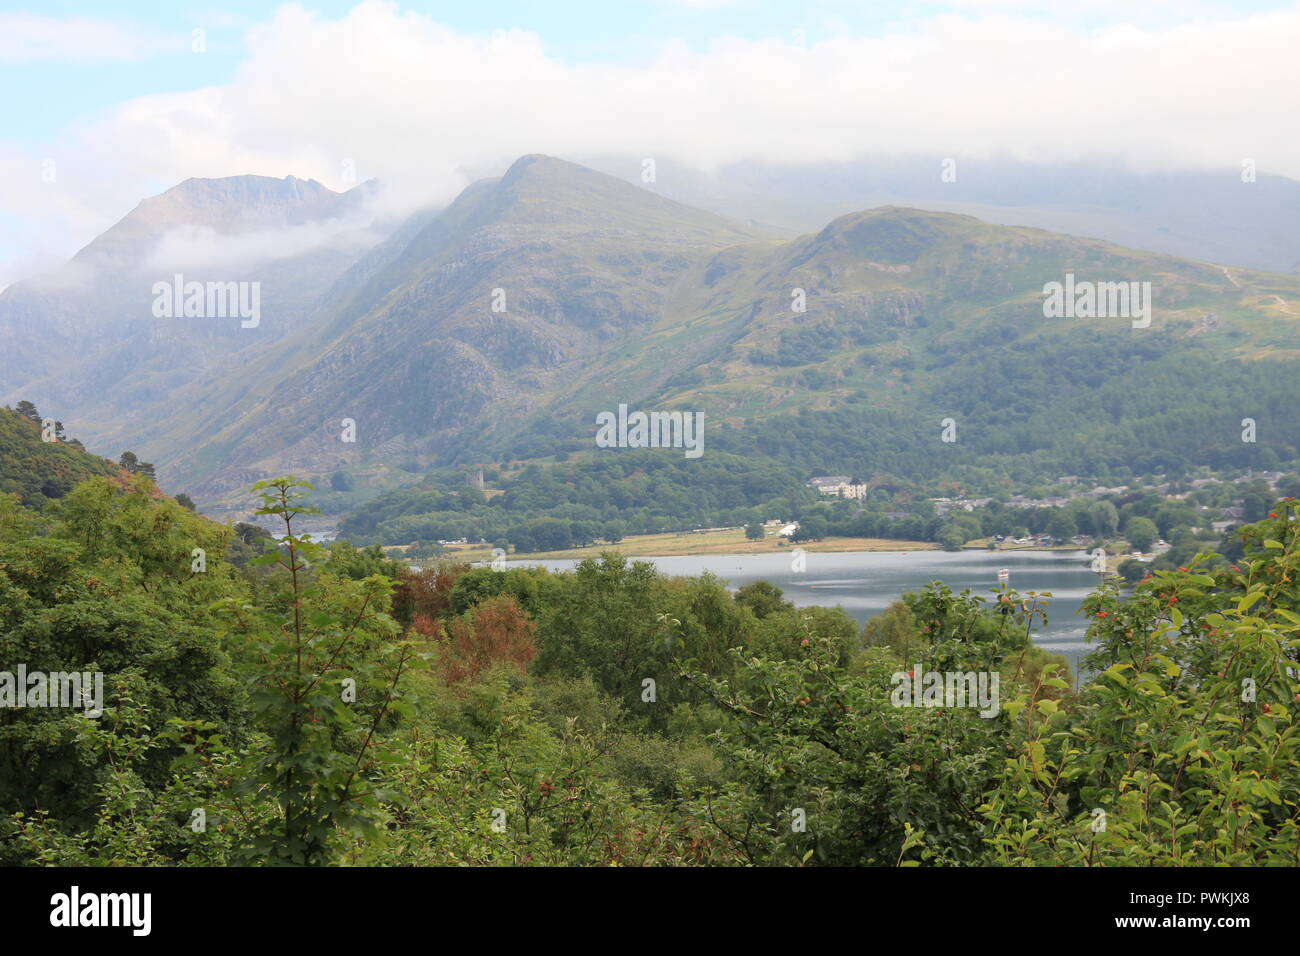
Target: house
pixel 944 505
pixel 841 486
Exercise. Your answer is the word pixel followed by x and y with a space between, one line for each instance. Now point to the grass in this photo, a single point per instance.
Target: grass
pixel 728 541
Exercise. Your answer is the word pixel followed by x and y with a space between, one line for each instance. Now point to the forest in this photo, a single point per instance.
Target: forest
pixel 1022 417
pixel 272 700
pixel 550 507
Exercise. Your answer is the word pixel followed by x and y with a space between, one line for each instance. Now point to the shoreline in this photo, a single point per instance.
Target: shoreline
pixel 731 542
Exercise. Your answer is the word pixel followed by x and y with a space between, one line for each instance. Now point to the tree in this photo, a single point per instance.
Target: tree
pixel 846 735
pixel 496 631
pixel 1104 518
pixel 812 528
pixel 28 411
pixel 1171 514
pixel 550 534
pixel 763 598
pixel 754 531
pixel 896 628
pixel 1132 570
pixel 1228 788
pixel 426 592
pixel 249 533
pixel 605 621
pixel 330 676
pixel 135 466
pixel 341 481
pixel 185 501
pixel 100 564
pixel 1254 507
pixel 1062 525
pixel 523 540
pixel 951 537
pixel 1141 533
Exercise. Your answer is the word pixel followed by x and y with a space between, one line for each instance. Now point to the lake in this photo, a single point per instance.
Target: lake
pixel 864 583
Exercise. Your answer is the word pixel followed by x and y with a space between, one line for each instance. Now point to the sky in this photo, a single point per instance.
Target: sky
pixel 103 104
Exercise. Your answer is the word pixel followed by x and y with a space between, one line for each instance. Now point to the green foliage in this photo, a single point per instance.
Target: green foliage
pixel 330 674
pixel 105 583
pixel 1183 750
pixel 1132 570
pixel 767 734
pixel 36 470
pixel 1141 533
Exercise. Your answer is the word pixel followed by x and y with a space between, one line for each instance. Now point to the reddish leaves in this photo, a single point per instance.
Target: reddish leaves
pixel 497 631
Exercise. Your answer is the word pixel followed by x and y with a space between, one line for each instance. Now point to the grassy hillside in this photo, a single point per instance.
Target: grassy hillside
pixel 913 319
pixel 497 329
pixel 36 470
pixel 916 317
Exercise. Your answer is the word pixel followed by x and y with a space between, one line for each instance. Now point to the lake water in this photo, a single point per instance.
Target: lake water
pixel 864 583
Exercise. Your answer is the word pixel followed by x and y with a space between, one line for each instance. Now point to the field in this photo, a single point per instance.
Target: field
pixel 727 541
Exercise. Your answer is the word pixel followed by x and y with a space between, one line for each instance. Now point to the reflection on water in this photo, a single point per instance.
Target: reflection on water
pixel 864 583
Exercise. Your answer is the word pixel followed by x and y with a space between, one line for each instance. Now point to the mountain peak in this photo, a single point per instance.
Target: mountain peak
pixel 541 189
pixel 246 186
pixel 539 164
pixel 893 234
pixel 230 204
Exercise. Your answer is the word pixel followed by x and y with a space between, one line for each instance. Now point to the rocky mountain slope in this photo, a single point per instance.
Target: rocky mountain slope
pixel 499 326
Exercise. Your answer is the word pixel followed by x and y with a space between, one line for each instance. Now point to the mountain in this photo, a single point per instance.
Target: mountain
pixel 414 352
pixel 86 341
pixel 1229 215
pixel 914 317
pixel 230 206
pixel 497 328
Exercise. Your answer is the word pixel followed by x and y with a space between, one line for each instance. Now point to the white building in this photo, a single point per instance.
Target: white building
pixel 841 486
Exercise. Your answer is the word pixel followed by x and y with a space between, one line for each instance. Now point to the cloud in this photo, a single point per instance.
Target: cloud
pixel 397 95
pixel 201 247
pixel 31 38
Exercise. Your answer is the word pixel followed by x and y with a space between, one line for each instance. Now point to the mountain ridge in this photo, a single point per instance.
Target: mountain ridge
pixel 497 323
